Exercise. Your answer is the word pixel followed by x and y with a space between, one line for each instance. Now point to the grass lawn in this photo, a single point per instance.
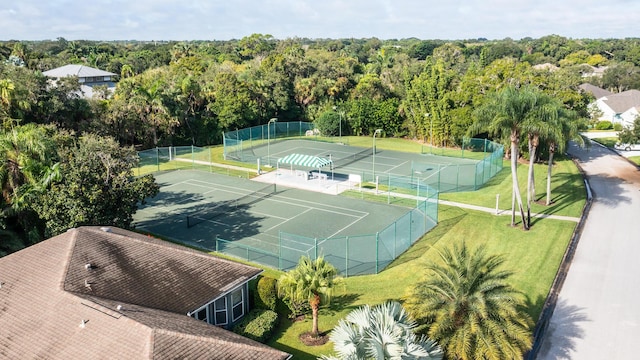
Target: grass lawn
pixel 607 141
pixel 567 189
pixel 635 159
pixel 535 254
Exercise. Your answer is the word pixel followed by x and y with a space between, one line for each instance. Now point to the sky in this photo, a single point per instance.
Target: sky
pixel 384 19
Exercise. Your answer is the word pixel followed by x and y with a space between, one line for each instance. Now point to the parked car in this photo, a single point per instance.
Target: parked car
pixel 627 147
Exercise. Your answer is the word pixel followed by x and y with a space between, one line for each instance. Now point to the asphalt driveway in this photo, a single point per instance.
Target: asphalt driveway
pixel 597 315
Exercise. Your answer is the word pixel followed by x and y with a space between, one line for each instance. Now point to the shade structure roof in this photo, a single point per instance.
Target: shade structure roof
pixel 305 160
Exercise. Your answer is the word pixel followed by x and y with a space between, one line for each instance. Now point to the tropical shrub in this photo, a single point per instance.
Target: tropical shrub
pixel 258 324
pixel 604 125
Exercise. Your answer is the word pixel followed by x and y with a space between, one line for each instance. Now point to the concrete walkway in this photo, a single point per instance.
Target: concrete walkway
pixel 479 208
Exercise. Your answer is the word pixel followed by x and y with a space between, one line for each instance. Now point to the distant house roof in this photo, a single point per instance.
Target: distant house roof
pixel 623 101
pixel 110 293
pixel 594 90
pixel 546 66
pixel 80 71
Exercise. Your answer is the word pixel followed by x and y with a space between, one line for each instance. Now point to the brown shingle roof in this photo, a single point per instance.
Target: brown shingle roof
pixel 39 319
pixel 145 271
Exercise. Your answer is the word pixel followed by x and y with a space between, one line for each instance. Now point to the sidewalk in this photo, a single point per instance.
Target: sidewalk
pixel 480 208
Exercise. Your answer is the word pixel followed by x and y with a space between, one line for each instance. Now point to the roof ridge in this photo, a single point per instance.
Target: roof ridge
pixel 156 242
pixel 214 339
pixel 72 249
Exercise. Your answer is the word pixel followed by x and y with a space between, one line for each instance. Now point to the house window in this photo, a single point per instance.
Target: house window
pixel 220 311
pixel 238 304
pixel 201 314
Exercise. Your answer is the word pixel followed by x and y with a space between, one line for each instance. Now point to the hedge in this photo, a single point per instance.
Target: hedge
pixel 258 325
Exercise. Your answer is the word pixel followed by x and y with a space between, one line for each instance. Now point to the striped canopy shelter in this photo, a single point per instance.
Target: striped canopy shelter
pixel 305 160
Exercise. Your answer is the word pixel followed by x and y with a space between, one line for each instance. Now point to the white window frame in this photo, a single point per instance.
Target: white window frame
pixel 222 310
pixel 206 312
pixel 241 303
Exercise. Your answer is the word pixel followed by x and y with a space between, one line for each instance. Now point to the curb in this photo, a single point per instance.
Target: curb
pixel 552 298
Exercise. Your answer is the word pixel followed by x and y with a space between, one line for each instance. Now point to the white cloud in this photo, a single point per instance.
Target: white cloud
pixel 217 19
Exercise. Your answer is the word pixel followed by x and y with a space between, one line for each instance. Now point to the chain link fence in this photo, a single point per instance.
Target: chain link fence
pixel 351 255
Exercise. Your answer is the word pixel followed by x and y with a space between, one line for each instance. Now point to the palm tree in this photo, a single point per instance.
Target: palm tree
pixel 382 332
pixel 148 101
pixel 565 122
pixel 312 280
pixel 505 113
pixel 469 308
pixel 25 161
pixel 542 124
pixel 6 93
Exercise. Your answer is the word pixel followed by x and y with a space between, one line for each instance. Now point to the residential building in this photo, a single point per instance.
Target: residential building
pixel 619 108
pixel 88 77
pixel 100 292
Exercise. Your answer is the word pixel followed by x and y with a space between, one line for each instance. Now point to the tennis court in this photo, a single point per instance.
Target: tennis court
pixel 197 208
pixel 440 172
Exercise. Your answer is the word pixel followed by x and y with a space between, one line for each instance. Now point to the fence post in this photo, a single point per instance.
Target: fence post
pixel 279 250
pixel 158 158
pixel 377 253
pixel 346 257
pixel 315 248
pixel 475 177
pixel 193 158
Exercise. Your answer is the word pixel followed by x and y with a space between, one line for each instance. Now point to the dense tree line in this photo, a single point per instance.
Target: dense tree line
pixel 190 92
pixel 181 93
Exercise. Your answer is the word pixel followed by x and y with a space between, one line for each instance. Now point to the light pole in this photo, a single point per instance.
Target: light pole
pixel 378 131
pixel 272 120
pixel 430 129
pixel 335 108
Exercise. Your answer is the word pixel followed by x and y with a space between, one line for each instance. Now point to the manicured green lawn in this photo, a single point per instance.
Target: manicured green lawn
pixel 607 141
pixel 567 189
pixel 635 159
pixel 535 255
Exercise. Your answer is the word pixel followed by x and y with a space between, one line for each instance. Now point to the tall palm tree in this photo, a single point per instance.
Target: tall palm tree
pixel 382 332
pixel 469 308
pixel 542 124
pixel 505 113
pixel 6 93
pixel 312 280
pixel 148 102
pixel 566 123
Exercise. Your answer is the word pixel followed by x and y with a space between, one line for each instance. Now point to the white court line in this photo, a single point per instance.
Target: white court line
pixel 347 226
pixel 436 172
pixel 275 226
pixel 397 166
pixel 299 202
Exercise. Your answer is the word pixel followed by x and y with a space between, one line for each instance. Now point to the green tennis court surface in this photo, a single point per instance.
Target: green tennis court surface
pixel 196 208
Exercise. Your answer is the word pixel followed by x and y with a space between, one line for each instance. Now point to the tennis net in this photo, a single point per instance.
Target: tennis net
pixel 225 207
pixel 350 159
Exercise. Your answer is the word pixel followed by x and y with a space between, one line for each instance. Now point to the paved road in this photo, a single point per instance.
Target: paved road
pixel 598 311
